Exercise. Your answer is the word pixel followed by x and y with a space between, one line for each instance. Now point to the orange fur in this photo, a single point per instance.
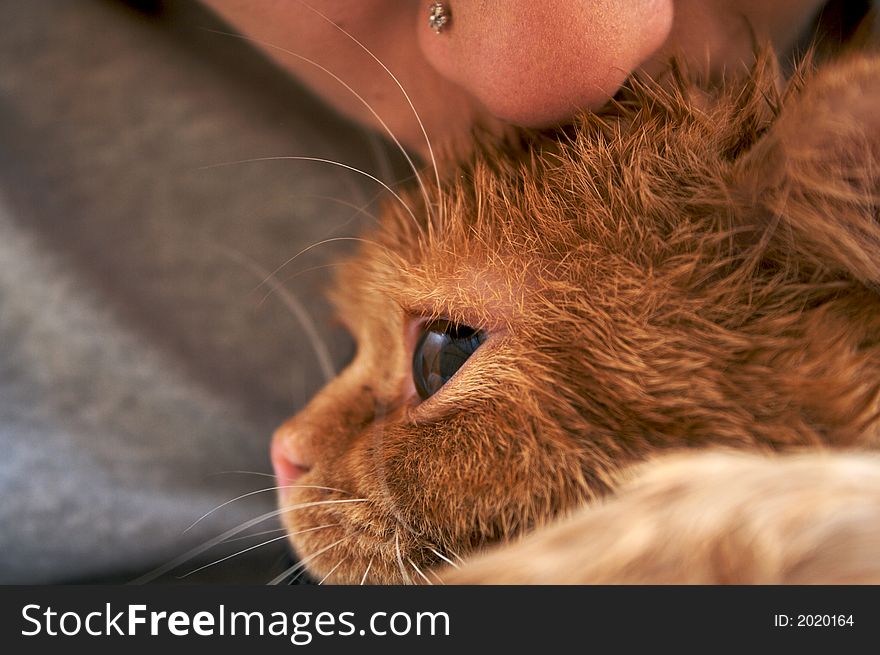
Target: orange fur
pixel 696 267
pixel 711 518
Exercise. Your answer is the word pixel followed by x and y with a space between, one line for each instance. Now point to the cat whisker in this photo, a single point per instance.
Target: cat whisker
pixel 198 550
pixel 380 155
pixel 341 562
pixel 360 98
pixel 399 555
pixel 370 564
pixel 358 209
pixel 419 571
pixel 332 162
pixel 444 558
pixel 455 555
pixel 303 272
pixel 259 491
pixel 265 475
pixel 250 548
pixel 436 577
pixel 402 90
pixel 325 361
pixel 303 563
pixel 289 486
pixel 253 534
pixel 318 503
pixel 317 244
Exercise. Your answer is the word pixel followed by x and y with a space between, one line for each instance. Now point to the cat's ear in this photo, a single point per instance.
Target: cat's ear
pixel 812 183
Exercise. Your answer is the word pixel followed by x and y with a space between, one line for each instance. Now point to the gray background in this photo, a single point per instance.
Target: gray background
pixel 139 362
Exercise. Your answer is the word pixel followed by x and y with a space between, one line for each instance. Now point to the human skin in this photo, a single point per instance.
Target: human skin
pixel 518 61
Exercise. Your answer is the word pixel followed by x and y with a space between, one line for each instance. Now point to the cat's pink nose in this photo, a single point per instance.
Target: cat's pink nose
pixel 288 466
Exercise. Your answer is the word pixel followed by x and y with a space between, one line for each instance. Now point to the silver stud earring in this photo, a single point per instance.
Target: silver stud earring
pixel 438 16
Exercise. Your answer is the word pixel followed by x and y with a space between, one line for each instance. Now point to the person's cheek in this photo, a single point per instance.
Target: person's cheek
pixel 537 63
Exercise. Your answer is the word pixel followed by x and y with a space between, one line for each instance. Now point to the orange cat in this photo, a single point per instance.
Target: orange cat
pixel 697 270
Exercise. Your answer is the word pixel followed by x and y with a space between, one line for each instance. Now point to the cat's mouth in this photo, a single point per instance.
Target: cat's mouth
pixel 339 539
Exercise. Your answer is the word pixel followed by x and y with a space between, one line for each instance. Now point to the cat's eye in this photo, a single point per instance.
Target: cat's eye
pixel 441 350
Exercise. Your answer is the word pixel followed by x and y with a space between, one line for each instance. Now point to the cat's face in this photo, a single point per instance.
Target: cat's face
pixel 554 316
pixel 452 420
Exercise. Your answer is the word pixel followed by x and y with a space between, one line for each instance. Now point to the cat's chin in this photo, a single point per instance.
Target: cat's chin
pixel 342 564
pixel 334 544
